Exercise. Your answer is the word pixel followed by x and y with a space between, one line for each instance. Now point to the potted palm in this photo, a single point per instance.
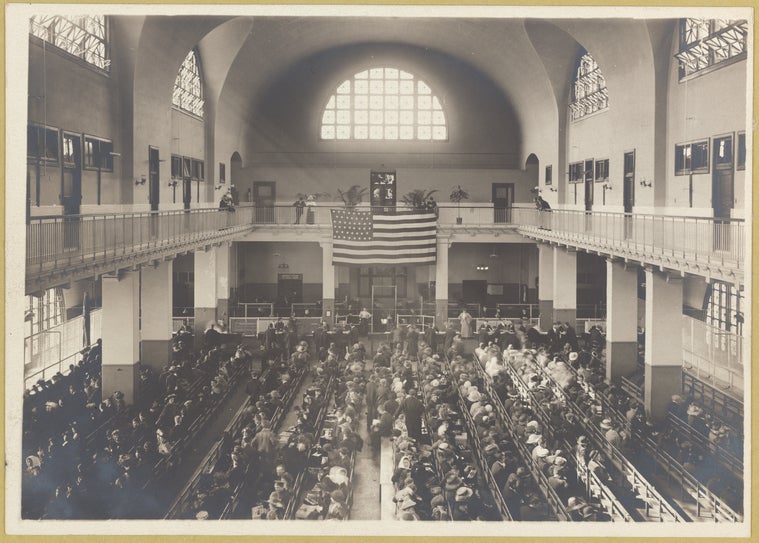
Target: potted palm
pixel 353 196
pixel 417 199
pixel 457 196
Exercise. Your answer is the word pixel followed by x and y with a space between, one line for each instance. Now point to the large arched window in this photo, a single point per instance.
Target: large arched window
pixel 589 93
pixel 84 36
pixel 188 89
pixel 384 104
pixel 710 42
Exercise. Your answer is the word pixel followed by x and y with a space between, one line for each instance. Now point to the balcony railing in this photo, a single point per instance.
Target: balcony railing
pixel 695 240
pixel 61 241
pixel 54 243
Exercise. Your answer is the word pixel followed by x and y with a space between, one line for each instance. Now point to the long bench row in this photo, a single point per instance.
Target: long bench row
pixel 597 490
pixel 656 507
pixel 707 504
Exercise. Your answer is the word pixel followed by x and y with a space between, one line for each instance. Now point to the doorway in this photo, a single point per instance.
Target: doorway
pixel 289 289
pixel 503 199
pixel 474 291
pixel 154 190
pixel 588 185
pixel 722 190
pixel 264 195
pixel 186 182
pixel 71 190
pixel 628 191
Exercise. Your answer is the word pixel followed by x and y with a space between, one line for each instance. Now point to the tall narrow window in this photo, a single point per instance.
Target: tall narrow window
pixel 384 104
pixel 84 36
pixel 709 42
pixel 188 88
pixel 589 92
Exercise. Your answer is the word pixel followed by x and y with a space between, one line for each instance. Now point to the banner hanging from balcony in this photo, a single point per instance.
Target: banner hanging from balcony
pixel 362 237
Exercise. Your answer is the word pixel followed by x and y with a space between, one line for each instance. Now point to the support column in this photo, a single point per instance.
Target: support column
pixel 223 255
pixel 328 283
pixel 664 349
pixel 157 308
pixel 205 292
pixel 565 285
pixel 121 348
pixel 621 320
pixel 545 285
pixel 441 283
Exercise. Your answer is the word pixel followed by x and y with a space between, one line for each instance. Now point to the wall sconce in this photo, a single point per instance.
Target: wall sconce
pixel 219 187
pixel 140 181
pixel 552 189
pixel 606 186
pixel 173 183
pixel 643 183
pixel 283 266
pixel 483 268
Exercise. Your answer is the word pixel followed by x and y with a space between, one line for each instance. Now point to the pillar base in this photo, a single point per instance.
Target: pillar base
pixel 328 311
pixel 565 315
pixel 441 314
pixel 621 359
pixel 546 314
pixel 203 317
pixel 222 309
pixel 661 382
pixel 122 378
pixel 155 353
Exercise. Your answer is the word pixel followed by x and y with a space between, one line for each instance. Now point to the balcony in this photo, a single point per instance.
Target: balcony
pixel 713 248
pixel 60 249
pixel 65 248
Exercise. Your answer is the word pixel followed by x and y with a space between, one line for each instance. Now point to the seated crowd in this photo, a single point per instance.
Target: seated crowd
pixel 106 476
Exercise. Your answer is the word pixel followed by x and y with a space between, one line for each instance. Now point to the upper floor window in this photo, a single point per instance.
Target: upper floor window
pixel 709 42
pixel 725 308
pixel 384 104
pixel 589 92
pixel 84 36
pixel 188 90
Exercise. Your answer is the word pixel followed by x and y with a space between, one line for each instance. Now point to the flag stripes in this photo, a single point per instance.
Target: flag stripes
pixel 361 237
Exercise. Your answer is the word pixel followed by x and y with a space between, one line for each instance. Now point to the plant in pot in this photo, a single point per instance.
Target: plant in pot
pixel 353 196
pixel 417 199
pixel 457 196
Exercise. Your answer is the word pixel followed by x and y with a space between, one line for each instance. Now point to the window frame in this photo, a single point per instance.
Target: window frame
pixel 703 48
pixel 682 170
pixel 549 175
pixel 222 173
pixel 186 91
pixel 65 134
pixel 420 89
pixel 97 164
pixel 50 132
pixel 79 58
pixel 176 167
pixel 594 98
pixel 576 172
pixel 604 164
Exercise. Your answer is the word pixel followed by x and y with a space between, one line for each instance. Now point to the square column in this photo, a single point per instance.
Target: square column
pixel 621 320
pixel 328 282
pixel 545 285
pixel 223 255
pixel 564 285
pixel 664 345
pixel 205 292
pixel 156 330
pixel 441 283
pixel 121 347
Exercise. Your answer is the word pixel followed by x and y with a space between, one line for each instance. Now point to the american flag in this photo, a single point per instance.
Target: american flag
pixel 361 237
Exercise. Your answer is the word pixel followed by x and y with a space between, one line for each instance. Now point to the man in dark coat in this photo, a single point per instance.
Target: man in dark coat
pixel 371 401
pixel 413 409
pixel 450 333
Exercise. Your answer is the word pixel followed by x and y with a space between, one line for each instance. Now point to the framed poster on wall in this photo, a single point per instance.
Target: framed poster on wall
pixel 382 187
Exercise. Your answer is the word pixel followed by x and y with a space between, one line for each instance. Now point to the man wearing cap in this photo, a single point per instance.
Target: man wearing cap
pixel 513 491
pixel 460 509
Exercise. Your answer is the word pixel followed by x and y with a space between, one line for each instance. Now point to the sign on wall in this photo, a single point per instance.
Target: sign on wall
pixel 383 189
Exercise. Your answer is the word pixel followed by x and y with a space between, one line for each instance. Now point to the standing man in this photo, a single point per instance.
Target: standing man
pixel 466 323
pixel 371 401
pixel 413 409
pixel 299 204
